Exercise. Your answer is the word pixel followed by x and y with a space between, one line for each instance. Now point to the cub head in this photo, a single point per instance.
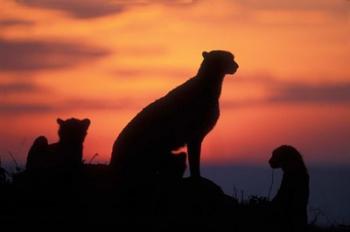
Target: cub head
pixel 73 130
pixel 218 61
pixel 287 158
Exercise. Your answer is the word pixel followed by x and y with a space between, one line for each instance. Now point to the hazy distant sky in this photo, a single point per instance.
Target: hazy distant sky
pixel 106 59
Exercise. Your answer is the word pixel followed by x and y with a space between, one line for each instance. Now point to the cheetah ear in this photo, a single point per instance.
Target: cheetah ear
pixel 59 121
pixel 86 123
pixel 205 54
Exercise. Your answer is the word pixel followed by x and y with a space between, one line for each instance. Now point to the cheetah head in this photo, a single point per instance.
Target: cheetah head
pixel 219 61
pixel 73 130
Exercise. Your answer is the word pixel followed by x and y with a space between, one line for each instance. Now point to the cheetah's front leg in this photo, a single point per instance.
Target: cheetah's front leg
pixel 194 152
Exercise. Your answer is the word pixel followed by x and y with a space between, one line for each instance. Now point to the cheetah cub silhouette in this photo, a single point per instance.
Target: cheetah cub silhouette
pixel 67 153
pixel 181 118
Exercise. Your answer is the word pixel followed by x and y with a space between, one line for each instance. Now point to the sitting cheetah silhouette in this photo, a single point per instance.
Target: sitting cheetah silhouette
pixel 67 153
pixel 292 197
pixel 181 118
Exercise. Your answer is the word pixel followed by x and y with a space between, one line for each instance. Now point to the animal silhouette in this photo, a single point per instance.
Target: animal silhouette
pixel 181 118
pixel 292 197
pixel 66 153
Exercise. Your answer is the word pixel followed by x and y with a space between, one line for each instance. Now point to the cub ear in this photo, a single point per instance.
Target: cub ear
pixel 205 54
pixel 86 123
pixel 59 121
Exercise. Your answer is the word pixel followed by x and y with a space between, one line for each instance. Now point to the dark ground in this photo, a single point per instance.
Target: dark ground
pixel 91 197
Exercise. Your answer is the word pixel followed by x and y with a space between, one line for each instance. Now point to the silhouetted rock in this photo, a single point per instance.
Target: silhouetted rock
pixel 201 203
pixel 181 118
pixel 196 203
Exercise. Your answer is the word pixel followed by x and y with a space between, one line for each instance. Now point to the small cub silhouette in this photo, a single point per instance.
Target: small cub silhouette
pixel 181 118
pixel 66 153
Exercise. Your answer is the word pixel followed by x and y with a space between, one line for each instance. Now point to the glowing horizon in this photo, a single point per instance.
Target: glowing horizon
pixel 105 60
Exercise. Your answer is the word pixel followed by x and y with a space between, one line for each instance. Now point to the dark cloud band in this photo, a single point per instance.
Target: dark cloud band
pixel 37 55
pixel 78 8
pixel 85 9
pixel 15 22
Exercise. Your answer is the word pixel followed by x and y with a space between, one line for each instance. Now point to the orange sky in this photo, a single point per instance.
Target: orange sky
pixel 106 59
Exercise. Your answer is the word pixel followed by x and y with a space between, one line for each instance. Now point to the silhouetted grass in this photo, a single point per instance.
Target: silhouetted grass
pixel 91 196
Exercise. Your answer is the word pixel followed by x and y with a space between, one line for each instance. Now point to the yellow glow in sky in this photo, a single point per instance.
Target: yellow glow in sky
pixel 105 60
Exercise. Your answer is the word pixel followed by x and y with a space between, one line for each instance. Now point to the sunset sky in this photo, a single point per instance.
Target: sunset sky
pixel 106 59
